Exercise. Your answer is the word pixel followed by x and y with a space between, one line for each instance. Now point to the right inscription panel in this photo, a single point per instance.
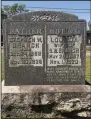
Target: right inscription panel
pixel 66 53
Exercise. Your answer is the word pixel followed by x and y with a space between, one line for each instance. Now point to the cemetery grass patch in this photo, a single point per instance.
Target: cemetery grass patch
pixel 88 72
pixel 88 48
pixel 2 64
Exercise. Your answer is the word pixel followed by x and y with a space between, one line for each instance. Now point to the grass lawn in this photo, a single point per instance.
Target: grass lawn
pixel 2 65
pixel 88 70
pixel 88 48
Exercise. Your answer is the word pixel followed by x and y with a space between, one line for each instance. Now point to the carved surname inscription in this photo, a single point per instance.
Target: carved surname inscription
pixel 45 17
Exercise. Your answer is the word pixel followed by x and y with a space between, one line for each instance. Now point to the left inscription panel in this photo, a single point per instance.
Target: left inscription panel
pixel 24 54
pixel 25 50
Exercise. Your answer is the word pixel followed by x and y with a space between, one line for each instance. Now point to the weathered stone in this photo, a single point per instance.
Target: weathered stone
pixel 47 105
pixel 44 48
pixel 75 105
pixel 82 114
pixel 69 106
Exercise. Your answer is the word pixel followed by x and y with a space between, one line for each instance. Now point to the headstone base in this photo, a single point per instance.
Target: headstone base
pixel 45 88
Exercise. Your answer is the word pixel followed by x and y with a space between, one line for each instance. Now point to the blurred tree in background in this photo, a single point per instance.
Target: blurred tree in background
pixel 8 11
pixel 14 9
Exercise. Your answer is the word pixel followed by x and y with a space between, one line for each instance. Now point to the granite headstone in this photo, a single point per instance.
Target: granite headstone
pixel 44 48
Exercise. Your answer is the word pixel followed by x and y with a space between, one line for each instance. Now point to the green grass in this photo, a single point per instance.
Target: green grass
pixel 88 48
pixel 2 65
pixel 88 72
